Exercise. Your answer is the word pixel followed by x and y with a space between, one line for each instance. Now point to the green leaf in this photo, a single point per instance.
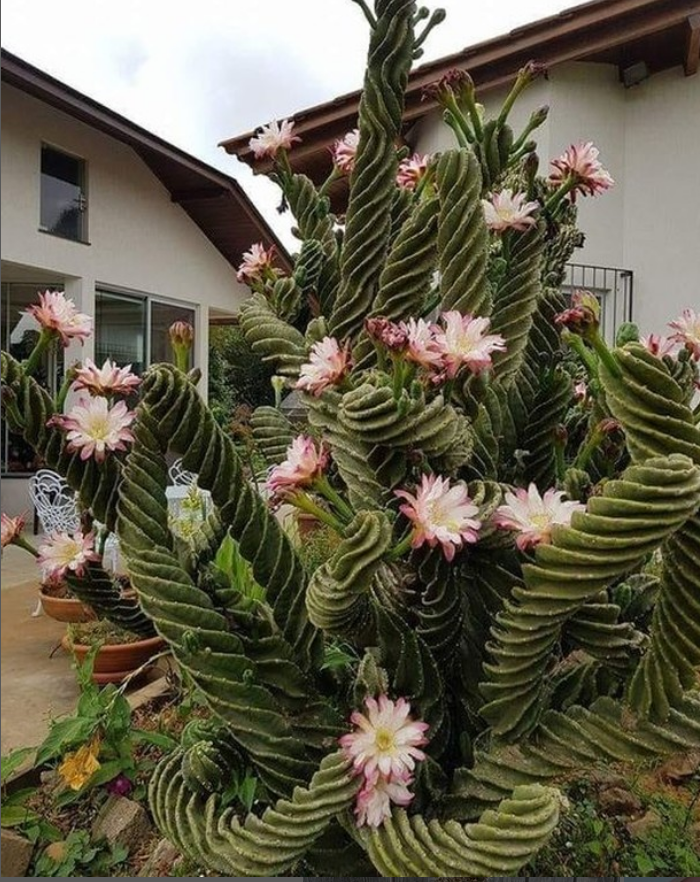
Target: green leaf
pixel 16 815
pixel 247 792
pixel 156 739
pixel 645 865
pixel 13 760
pixel 64 735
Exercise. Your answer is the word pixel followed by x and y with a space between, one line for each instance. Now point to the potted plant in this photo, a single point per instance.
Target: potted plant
pixel 119 652
pixel 58 602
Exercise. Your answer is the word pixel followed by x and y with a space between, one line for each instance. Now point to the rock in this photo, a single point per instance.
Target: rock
pixel 680 766
pixel 618 801
pixel 603 779
pixel 16 852
pixel 643 826
pixel 160 863
pixel 122 820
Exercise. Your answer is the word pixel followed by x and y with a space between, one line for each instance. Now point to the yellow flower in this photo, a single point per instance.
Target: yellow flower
pixel 79 766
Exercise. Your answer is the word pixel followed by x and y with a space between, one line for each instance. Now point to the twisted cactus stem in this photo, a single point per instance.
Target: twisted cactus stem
pixel 98 590
pixel 462 234
pixel 632 517
pixel 258 846
pixel 652 408
pixel 180 420
pixel 372 185
pixel 515 300
pixel 502 841
pixel 580 739
pixel 272 338
pixel 337 597
pixel 272 433
pixel 350 454
pixel 242 688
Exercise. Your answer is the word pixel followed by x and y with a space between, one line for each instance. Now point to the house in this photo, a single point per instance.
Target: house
pixel 621 73
pixel 139 233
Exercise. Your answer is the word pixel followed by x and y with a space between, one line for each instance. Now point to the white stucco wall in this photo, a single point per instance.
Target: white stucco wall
pixel 139 239
pixel 648 136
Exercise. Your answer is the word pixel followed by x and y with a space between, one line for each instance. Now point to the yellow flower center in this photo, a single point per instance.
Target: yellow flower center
pixel 384 740
pixel 99 428
pixel 541 521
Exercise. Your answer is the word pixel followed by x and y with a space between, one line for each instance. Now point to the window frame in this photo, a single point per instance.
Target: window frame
pixel 149 299
pixel 83 239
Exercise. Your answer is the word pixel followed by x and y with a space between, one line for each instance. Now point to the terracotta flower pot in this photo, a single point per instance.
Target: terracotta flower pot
pixel 66 609
pixel 114 662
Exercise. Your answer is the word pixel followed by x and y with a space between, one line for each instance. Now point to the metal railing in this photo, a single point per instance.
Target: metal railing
pixel 613 287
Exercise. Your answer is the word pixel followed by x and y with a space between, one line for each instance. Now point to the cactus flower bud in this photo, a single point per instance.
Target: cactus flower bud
pixel 181 339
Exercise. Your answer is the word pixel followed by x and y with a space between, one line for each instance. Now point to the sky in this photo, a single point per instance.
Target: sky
pixel 200 72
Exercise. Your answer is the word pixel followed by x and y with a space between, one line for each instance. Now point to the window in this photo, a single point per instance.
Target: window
pixel 133 329
pixel 19 334
pixel 63 199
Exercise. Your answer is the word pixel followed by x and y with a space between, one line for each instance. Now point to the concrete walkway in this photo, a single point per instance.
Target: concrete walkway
pixel 35 687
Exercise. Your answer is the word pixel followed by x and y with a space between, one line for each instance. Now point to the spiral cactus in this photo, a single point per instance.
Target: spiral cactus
pixel 508 588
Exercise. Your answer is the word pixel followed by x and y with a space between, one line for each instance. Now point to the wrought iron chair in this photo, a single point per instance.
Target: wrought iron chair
pixel 54 501
pixel 179 476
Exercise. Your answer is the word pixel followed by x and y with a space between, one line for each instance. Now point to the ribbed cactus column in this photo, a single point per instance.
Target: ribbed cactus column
pixel 368 220
pixel 631 518
pixel 651 406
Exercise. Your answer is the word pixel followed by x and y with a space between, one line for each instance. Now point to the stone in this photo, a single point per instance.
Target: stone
pixel 603 779
pixel 680 766
pixel 642 827
pixel 16 853
pixel 122 821
pixel 161 861
pixel 618 801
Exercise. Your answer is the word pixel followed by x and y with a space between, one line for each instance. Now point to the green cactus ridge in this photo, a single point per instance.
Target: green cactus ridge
pixel 503 840
pixel 368 220
pixel 260 846
pixel 633 516
pixel 272 338
pixel 651 406
pixel 337 596
pixel 462 235
pixel 579 739
pixel 272 433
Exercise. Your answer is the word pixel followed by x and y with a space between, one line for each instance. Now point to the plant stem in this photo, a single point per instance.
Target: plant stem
pixel 576 343
pixel 305 503
pixel 21 542
pixel 604 354
pixel 589 448
pixel 31 363
pixel 323 485
pixel 402 547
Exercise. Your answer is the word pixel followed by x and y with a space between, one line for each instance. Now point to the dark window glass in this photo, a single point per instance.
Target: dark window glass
pixel 162 317
pixel 120 330
pixel 63 201
pixel 19 335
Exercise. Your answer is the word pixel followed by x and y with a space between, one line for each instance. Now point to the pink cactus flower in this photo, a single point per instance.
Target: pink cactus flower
pixel 256 264
pixel 62 553
pixel 509 211
pixel 386 741
pixel 659 345
pixel 423 348
pixel 390 334
pixel 107 380
pixel 94 428
pixel 580 164
pixel 581 392
pixel 344 151
pixel 304 463
pixel 412 170
pixel 442 514
pixel 328 364
pixel 464 341
pixel 57 313
pixel 272 138
pixel 533 516
pixel 11 529
pixel 687 331
pixel 374 801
